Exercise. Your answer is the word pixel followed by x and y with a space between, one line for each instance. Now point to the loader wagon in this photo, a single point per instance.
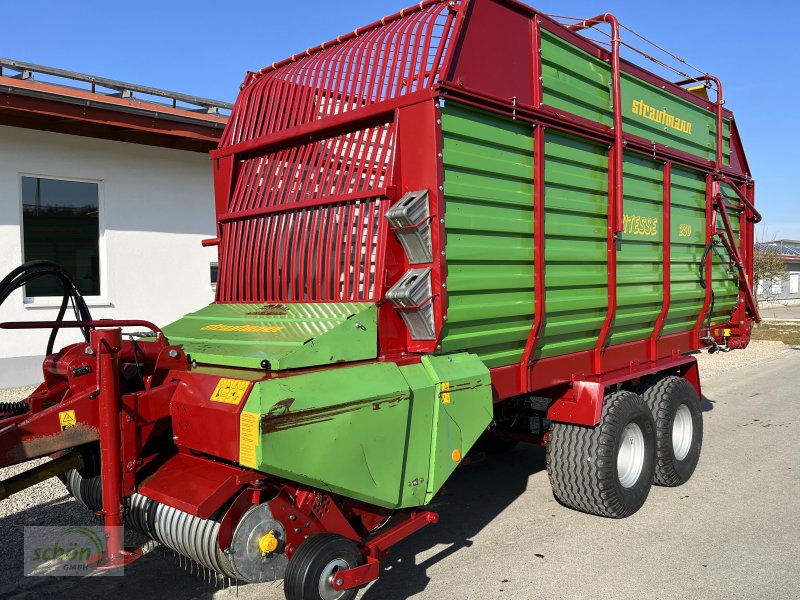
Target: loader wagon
pixel 464 223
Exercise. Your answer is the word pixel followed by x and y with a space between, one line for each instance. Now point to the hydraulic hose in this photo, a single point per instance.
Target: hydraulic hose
pixel 36 269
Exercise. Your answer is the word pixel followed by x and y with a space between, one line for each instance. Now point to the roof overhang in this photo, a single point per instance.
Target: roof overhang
pixel 48 107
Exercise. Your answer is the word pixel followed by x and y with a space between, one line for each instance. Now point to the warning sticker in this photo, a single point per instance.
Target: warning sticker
pixel 248 438
pixel 445 392
pixel 66 419
pixel 229 391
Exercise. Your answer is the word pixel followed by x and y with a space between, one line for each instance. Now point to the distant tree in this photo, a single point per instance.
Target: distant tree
pixel 768 266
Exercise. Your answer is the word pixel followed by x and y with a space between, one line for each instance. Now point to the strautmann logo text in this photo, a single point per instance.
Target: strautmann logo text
pixel 662 117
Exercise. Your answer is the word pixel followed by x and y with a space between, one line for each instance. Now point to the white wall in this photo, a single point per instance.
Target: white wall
pixel 156 205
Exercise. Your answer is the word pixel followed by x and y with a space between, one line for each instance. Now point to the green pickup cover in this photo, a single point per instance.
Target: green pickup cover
pixel 376 432
pixel 289 336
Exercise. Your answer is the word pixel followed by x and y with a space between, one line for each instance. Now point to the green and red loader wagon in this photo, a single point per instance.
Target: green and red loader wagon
pixel 465 221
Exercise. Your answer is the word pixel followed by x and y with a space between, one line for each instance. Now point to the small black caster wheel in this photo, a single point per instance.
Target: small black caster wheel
pixel 313 567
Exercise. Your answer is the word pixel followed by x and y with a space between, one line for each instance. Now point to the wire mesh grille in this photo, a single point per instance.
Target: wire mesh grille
pixel 346 164
pixel 391 60
pixel 305 223
pixel 326 253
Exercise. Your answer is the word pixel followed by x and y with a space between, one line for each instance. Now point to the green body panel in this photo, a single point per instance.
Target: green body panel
pixel 489 234
pixel 575 81
pixel 289 336
pixel 688 238
pixel 489 207
pixel 463 409
pixel 640 270
pixel 378 432
pixel 576 277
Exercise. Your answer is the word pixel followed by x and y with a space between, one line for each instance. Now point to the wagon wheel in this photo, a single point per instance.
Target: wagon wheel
pixel 605 470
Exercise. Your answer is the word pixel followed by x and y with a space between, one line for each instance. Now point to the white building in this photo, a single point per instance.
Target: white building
pixel 116 188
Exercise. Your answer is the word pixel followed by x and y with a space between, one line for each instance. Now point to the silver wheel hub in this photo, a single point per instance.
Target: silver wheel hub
pixel 682 432
pixel 326 589
pixel 630 458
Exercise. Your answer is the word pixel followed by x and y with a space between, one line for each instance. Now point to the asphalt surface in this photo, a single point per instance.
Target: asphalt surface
pixel 781 311
pixel 731 532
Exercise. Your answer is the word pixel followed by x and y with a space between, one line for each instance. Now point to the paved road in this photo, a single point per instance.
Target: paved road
pixel 732 532
pixel 778 311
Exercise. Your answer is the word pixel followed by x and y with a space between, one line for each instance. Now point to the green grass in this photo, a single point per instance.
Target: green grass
pixel 788 334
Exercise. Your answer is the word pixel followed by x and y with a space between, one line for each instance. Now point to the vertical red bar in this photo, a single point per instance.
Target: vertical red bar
pixel 539 289
pixel 106 344
pixel 604 337
pixel 712 185
pixel 666 264
pixel 536 45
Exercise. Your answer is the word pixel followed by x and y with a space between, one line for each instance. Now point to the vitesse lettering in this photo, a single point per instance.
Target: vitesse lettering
pixel 638 225
pixel 244 328
pixel 662 117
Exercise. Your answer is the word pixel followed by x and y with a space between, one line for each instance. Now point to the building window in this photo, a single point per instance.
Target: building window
pixel 777 287
pixel 60 222
pixel 794 283
pixel 214 273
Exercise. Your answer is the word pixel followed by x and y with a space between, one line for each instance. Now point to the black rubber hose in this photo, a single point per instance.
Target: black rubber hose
pixel 36 269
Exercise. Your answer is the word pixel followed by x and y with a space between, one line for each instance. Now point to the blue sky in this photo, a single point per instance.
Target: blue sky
pixel 205 48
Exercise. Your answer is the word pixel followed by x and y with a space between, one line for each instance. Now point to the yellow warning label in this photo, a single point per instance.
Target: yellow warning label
pixel 244 328
pixel 66 419
pixel 445 392
pixel 248 438
pixel 229 391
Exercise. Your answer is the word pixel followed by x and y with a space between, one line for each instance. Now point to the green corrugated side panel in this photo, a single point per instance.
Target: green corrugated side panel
pixel 378 432
pixel 576 252
pixel 575 81
pixel 640 268
pixel 289 336
pixel 488 186
pixel 688 234
pixel 702 141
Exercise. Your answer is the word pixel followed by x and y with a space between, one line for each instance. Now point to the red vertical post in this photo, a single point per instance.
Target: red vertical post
pixel 615 217
pixel 538 211
pixel 538 257
pixel 616 178
pixel 106 344
pixel 711 229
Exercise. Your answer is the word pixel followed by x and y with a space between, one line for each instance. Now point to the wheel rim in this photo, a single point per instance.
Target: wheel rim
pixel 630 458
pixel 326 589
pixel 682 432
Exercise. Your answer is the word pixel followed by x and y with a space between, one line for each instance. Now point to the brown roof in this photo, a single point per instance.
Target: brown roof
pixel 123 112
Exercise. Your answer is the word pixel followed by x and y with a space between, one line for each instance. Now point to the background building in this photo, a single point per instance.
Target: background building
pixel 787 289
pixel 112 180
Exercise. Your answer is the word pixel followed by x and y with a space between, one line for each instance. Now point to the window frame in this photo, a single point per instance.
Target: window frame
pixel 211 266
pixel 101 300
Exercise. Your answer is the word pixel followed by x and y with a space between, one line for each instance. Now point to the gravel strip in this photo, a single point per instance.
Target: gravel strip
pixel 758 351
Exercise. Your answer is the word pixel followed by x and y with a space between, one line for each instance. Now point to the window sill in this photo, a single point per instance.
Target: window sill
pixel 49 303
